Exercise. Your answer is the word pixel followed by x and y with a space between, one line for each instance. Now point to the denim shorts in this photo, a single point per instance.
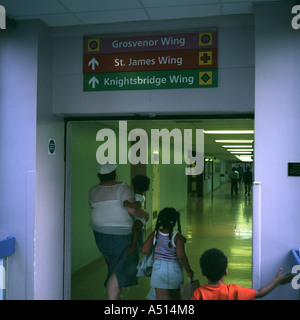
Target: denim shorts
pixel 166 275
pixel 113 248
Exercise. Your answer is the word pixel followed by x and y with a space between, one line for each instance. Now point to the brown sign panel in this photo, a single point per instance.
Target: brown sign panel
pixel 150 61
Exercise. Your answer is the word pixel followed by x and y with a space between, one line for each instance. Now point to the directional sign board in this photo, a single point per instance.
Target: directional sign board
pixel 150 61
pixel 167 61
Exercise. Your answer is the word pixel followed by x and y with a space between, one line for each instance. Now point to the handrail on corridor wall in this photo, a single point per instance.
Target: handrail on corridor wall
pixel 7 247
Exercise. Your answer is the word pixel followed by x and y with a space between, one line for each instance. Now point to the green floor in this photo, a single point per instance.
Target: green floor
pixel 218 220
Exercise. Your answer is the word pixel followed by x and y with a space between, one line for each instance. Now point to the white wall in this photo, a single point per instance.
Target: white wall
pixel 18 101
pixel 277 115
pixel 31 184
pixel 49 218
pixel 235 72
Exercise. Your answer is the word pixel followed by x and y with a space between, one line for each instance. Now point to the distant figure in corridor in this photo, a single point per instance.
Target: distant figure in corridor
pixel 213 264
pixel 248 179
pixel 112 225
pixel 234 176
pixel 240 171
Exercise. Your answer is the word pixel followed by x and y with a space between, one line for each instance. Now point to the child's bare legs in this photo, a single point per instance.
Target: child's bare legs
pixel 113 289
pixel 167 294
pixel 135 236
pixel 162 294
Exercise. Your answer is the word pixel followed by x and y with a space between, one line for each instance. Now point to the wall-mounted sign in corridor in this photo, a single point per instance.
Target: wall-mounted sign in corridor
pixel 156 60
pixel 51 147
pixel 178 41
pixel 151 62
pixel 147 80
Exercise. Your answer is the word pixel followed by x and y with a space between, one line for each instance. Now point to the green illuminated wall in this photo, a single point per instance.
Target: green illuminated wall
pixel 173 188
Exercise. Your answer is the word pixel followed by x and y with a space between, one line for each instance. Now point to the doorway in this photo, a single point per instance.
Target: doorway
pixel 81 148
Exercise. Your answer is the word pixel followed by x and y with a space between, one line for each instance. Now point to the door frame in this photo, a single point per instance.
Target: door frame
pixel 68 172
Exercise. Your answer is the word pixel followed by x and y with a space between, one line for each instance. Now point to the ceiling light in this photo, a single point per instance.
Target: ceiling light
pixel 245 158
pixel 245 146
pixel 243 152
pixel 240 150
pixel 234 141
pixel 229 131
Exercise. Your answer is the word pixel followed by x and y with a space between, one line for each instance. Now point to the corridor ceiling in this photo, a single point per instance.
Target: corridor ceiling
pixel 62 13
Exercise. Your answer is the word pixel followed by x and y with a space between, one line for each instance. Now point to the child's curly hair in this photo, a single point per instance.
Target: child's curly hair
pixel 167 219
pixel 213 263
pixel 141 183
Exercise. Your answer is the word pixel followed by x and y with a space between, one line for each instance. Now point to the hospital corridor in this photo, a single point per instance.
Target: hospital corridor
pixel 191 94
pixel 217 220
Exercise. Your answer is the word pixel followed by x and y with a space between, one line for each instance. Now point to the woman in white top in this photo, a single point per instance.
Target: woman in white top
pixel 112 226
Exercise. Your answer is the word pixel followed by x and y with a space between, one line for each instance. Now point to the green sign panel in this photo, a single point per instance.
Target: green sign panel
pixel 149 80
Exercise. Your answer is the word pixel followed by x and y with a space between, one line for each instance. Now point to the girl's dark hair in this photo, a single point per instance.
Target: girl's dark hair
pixel 167 219
pixel 108 177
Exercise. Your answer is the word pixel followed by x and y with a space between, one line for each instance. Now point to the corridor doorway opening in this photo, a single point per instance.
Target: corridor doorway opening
pixel 169 187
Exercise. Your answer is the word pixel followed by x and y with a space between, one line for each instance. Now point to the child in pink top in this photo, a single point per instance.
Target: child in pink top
pixel 169 255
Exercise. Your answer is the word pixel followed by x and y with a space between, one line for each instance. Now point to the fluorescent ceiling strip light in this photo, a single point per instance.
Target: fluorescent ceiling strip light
pixel 229 131
pixel 234 141
pixel 245 158
pixel 233 146
pixel 239 150
pixel 243 152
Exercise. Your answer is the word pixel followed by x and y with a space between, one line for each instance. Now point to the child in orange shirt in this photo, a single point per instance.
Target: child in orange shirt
pixel 213 263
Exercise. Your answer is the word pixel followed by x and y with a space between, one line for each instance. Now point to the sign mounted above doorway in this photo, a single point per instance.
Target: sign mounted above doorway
pixel 166 61
pixel 294 169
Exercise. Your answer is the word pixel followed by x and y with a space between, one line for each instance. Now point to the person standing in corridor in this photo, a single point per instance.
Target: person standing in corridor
pixel 234 176
pixel 248 179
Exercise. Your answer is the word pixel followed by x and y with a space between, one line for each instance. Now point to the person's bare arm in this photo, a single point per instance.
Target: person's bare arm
pixel 132 205
pixel 279 279
pixel 140 213
pixel 147 247
pixel 135 236
pixel 181 255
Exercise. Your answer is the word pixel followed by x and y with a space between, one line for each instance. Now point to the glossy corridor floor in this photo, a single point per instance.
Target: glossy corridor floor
pixel 218 220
